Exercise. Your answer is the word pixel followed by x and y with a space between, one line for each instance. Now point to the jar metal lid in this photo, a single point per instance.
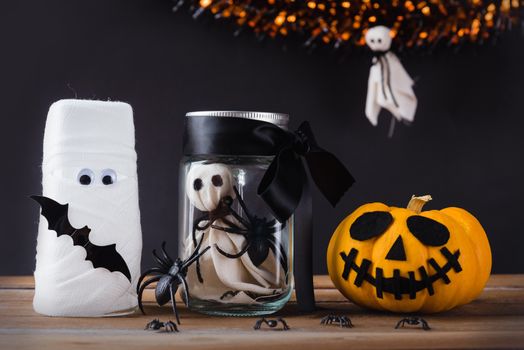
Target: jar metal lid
pixel 279 119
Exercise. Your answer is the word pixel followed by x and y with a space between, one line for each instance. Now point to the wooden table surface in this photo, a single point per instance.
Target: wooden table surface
pixel 494 320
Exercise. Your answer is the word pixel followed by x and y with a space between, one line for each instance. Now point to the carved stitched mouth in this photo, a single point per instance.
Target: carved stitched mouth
pixel 396 284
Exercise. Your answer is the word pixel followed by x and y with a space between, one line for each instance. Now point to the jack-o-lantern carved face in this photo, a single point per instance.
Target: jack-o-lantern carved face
pixel 405 260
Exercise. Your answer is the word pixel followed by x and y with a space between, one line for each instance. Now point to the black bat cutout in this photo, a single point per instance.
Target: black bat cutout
pixel 101 256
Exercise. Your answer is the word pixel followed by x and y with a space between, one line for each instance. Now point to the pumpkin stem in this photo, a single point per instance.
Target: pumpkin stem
pixel 416 203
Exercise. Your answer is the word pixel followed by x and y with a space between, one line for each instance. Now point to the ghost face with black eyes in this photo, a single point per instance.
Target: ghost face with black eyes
pixel 208 184
pixel 378 38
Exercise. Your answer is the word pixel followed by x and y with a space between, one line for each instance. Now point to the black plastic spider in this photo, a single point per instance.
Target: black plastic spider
pixel 413 321
pixel 259 234
pixel 271 323
pixel 343 321
pixel 169 275
pixel 156 324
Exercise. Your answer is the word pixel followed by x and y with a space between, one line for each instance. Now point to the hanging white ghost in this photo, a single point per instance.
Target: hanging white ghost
pixel 89 240
pixel 224 279
pixel 389 85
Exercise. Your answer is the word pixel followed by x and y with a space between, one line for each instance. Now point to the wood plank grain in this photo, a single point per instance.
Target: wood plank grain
pixel 319 281
pixel 494 320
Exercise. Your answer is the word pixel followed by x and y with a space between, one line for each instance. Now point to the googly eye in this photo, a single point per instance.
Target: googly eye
pixel 108 176
pixel 85 177
pixel 379 40
pixel 373 41
pixel 198 184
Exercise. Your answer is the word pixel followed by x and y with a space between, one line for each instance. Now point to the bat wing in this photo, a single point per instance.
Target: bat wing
pixel 107 257
pixel 56 215
pixel 100 256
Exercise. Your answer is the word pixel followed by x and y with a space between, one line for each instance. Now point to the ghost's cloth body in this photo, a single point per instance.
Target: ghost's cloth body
pixel 89 163
pixel 389 85
pixel 222 274
pixel 206 186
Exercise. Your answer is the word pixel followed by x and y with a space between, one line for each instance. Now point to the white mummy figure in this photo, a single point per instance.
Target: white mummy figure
pixel 89 164
pixel 206 186
pixel 389 85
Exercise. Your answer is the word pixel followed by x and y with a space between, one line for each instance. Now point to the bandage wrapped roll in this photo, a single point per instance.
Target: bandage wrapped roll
pixel 89 237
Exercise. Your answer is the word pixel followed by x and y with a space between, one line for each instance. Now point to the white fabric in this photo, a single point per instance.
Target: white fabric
pixel 220 273
pixel 95 135
pixel 208 197
pixel 388 68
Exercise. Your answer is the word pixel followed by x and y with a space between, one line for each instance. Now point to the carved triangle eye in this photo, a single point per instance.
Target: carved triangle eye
pixel 428 231
pixel 370 225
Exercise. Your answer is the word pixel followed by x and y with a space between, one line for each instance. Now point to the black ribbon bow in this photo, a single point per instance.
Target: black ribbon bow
pixel 282 184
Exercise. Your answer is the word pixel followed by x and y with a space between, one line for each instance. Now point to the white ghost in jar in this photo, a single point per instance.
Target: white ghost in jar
pixel 210 187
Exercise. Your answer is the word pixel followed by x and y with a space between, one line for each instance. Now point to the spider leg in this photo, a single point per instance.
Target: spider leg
pixel 194 257
pixel 323 320
pixel 166 256
pixel 199 272
pixel 161 261
pixel 142 288
pixel 281 254
pixel 237 231
pixel 400 324
pixel 150 324
pixel 173 303
pixel 184 284
pixel 350 324
pixel 272 223
pixel 197 247
pixel 206 225
pixel 243 221
pixel 196 227
pixel 284 324
pixel 233 256
pixel 171 327
pixel 242 204
pixel 425 325
pixel 258 324
pixel 156 270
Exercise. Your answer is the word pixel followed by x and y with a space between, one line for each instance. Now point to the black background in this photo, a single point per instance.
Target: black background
pixel 465 147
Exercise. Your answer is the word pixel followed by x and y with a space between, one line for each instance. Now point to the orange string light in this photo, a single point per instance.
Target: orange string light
pixel 416 23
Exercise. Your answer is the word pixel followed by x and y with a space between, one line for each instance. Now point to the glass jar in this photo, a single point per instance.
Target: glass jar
pixel 247 269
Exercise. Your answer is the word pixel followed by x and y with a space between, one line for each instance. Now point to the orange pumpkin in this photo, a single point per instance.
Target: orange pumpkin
pixel 409 260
